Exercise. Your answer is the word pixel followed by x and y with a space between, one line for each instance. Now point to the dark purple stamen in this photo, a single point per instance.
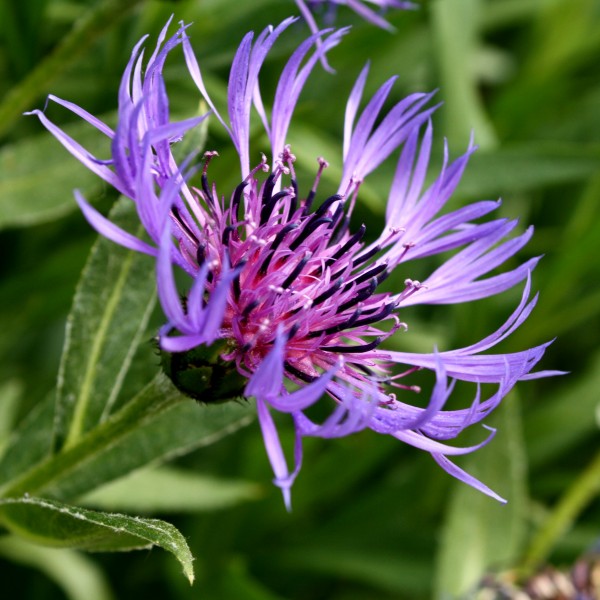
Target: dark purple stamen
pixel 339 230
pixel 276 242
pixel 360 296
pixel 268 188
pixel 200 254
pixel 269 205
pixel 227 234
pixel 381 278
pixel 299 374
pixel 249 308
pixel 372 272
pixel 281 235
pixel 351 322
pixel 337 215
pixel 236 280
pixel 309 200
pixel 308 229
pixel 354 349
pixel 366 256
pixel 296 272
pixel 294 200
pixel 235 201
pixel 182 224
pixel 293 331
pixel 206 189
pixel 386 311
pixel 355 239
pixel 328 293
pixel 326 204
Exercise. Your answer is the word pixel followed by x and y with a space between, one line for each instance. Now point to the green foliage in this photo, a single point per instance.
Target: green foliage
pixel 170 490
pixel 371 518
pixel 56 524
pixel 494 533
pixel 86 435
pixel 76 574
pixel 32 165
pixel 113 302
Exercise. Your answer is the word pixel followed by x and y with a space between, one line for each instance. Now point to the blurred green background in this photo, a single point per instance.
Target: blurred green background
pixel 372 518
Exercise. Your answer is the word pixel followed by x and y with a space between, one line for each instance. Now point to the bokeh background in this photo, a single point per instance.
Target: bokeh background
pixel 371 518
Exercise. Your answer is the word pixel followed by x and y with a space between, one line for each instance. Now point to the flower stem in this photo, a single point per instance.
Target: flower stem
pixel 573 501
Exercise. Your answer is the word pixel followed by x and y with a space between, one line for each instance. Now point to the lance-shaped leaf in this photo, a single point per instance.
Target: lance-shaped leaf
pixel 157 424
pixel 78 575
pixel 56 524
pixel 171 490
pixel 10 394
pixel 30 443
pixel 37 179
pixel 156 439
pixel 481 534
pixel 110 312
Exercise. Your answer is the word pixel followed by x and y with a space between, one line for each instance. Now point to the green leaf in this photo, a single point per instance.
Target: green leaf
pixel 37 177
pixel 392 571
pixel 238 582
pixel 456 26
pixel 111 308
pixel 30 443
pixel 10 394
pixel 508 12
pixel 170 490
pixel 77 576
pixel 94 23
pixel 155 439
pixel 525 167
pixel 479 533
pixel 156 425
pixel 55 524
pixel 565 418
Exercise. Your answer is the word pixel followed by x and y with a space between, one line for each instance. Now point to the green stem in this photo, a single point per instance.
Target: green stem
pixel 573 501
pixel 158 396
pixel 84 32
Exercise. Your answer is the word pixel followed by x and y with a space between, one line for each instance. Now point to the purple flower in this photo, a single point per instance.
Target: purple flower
pixel 360 7
pixel 283 289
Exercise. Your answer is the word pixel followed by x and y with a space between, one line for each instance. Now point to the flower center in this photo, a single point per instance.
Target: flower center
pixel 299 272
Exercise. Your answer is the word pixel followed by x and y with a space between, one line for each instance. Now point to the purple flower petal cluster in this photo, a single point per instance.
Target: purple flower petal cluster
pixel 282 284
pixel 362 8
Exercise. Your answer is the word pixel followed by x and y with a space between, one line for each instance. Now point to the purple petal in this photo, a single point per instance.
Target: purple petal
pixel 463 476
pixel 111 231
pixel 283 479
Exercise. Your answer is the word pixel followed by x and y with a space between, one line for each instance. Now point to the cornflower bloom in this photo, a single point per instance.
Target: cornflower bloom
pixel 284 303
pixel 360 7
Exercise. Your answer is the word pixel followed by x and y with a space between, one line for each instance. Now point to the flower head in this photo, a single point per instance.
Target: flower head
pixel 362 8
pixel 285 293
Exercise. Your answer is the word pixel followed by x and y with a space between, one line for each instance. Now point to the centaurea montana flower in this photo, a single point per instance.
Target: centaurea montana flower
pixel 284 292
pixel 360 7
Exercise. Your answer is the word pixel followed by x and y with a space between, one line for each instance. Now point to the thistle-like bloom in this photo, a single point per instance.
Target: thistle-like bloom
pixel 285 292
pixel 360 7
pixel 308 8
